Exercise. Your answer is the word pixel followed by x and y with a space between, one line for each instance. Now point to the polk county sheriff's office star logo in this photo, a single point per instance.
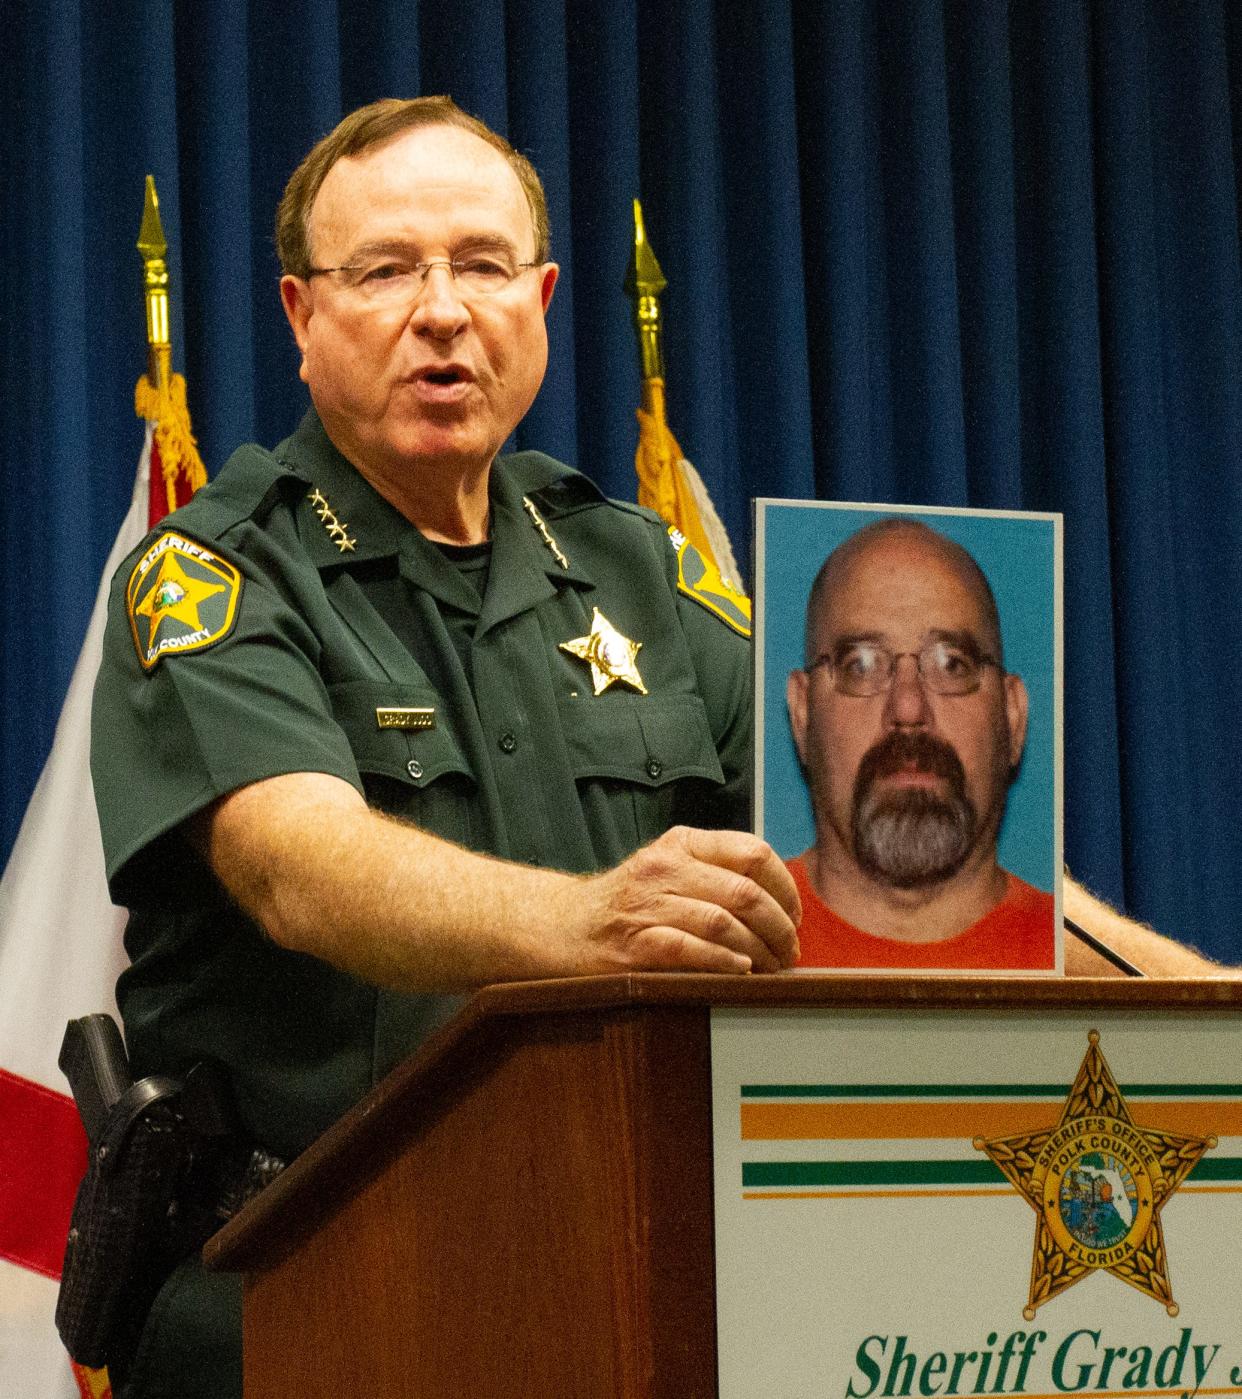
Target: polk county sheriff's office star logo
pixel 1097 1183
pixel 181 597
pixel 609 654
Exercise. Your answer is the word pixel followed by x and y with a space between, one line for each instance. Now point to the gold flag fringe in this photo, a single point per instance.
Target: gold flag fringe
pixel 175 437
pixel 669 485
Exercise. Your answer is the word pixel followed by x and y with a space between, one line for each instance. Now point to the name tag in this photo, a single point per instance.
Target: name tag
pixel 405 718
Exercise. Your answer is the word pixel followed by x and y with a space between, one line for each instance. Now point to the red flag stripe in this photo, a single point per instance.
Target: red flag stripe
pixel 157 493
pixel 42 1159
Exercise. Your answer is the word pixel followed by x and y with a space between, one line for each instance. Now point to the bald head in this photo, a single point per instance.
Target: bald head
pixel 892 538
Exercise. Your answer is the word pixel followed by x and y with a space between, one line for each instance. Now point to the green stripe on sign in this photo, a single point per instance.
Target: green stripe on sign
pixel 903 1090
pixel 756 1174
pixel 1217 1168
pixel 982 1172
pixel 979 1090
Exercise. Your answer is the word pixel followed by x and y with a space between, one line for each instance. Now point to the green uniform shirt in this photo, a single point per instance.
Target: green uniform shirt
pixel 286 620
pixel 289 620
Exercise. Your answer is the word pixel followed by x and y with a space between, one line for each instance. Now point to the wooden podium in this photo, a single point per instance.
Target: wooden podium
pixel 523 1210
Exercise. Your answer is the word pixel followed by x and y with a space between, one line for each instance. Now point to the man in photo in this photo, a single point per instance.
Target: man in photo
pixel 910 730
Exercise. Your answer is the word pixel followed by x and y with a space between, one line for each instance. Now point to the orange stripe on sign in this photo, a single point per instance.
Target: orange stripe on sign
pixel 42 1159
pixel 951 1120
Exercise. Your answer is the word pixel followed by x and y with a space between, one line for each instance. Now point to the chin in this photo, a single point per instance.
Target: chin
pixel 449 446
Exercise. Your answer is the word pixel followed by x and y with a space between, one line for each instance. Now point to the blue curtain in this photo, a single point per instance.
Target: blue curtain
pixel 928 251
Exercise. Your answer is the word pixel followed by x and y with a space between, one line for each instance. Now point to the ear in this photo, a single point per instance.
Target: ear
pixel 551 272
pixel 795 698
pixel 1017 707
pixel 295 297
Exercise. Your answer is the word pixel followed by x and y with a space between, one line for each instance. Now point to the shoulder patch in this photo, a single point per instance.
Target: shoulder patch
pixel 180 597
pixel 701 581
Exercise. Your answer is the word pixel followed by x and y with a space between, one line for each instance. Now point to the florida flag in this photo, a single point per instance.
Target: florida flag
pixel 60 954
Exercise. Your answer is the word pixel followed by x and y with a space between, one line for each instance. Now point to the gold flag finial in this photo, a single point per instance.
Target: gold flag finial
pixel 644 282
pixel 153 245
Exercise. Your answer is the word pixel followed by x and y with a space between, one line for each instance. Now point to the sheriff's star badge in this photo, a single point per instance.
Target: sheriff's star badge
pixel 609 654
pixel 1097 1183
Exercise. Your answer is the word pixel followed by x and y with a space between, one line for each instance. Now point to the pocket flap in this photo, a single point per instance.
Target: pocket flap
pixel 397 731
pixel 649 739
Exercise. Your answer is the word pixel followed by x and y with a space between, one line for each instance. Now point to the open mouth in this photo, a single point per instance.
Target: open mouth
pixel 442 383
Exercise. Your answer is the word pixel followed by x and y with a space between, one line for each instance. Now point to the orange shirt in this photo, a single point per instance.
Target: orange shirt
pixel 1017 935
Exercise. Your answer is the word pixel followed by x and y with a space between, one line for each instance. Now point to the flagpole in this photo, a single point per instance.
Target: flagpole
pixel 667 482
pixel 160 394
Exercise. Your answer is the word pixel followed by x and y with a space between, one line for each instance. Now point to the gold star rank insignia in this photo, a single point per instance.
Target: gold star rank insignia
pixel 180 597
pixel 609 654
pixel 1097 1183
pixel 338 530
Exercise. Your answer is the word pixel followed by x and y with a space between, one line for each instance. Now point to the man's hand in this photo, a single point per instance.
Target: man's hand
pixel 323 874
pixel 693 900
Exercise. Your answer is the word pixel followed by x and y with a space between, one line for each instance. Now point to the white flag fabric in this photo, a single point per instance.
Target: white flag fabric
pixel 60 954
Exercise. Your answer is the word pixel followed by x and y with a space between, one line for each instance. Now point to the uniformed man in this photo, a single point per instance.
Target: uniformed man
pixel 384 716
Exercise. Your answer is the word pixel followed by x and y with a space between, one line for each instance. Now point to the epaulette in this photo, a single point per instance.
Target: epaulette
pixel 249 483
pixel 567 495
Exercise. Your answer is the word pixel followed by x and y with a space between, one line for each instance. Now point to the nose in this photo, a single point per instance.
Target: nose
pixel 906 706
pixel 438 310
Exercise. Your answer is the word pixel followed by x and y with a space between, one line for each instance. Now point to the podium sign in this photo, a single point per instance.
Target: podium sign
pixel 997 1202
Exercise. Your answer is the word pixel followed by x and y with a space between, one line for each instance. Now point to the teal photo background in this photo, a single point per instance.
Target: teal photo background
pixel 1018 554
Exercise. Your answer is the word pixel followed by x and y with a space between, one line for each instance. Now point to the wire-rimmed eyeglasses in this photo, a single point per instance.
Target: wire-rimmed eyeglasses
pixel 390 281
pixel 865 668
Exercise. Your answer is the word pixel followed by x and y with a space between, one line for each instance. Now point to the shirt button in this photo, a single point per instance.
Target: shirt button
pixel 414 768
pixel 507 743
pixel 654 767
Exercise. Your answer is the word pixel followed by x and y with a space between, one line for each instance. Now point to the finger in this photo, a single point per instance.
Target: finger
pixel 708 922
pixel 751 886
pixel 723 907
pixel 748 855
pixel 672 949
pixel 676 882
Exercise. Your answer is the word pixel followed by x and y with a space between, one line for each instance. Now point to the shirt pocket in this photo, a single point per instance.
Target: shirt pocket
pixel 638 760
pixel 407 753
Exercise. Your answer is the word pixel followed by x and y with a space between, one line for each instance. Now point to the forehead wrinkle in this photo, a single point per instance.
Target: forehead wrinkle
pixel 409 248
pixel 962 637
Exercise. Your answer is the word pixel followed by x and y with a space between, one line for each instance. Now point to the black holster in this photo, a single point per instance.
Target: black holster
pixel 165 1170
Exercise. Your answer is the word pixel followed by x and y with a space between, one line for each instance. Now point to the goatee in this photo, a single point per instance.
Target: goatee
pixel 908 837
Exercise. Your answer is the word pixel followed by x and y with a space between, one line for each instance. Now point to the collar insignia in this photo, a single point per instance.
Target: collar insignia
pixel 338 531
pixel 1097 1183
pixel 609 654
pixel 529 506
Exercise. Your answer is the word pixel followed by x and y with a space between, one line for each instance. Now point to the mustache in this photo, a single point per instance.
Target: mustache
pixel 911 838
pixel 900 751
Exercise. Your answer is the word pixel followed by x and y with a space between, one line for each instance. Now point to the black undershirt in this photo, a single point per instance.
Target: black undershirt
pixel 472 561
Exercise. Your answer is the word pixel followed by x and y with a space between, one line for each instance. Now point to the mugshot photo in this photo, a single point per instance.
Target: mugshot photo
pixel 908 740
